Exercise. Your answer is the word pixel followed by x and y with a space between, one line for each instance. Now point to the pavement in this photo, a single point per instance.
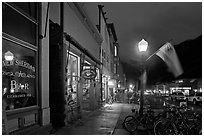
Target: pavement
pixel 106 120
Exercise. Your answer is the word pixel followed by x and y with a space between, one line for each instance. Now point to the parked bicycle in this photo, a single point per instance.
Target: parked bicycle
pixel 175 121
pixel 135 122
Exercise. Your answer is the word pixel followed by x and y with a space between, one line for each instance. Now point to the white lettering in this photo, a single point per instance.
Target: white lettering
pixel 18 74
pixel 18 63
pixel 26 86
pixel 21 86
pixel 13 84
pixel 8 63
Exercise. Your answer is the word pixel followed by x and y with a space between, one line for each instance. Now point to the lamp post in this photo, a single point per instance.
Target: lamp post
pixel 142 45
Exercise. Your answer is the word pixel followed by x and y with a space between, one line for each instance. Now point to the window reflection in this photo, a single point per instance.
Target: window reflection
pixel 18 26
pixel 27 7
pixel 18 76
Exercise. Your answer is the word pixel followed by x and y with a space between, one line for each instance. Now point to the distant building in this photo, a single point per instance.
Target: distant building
pixel 112 72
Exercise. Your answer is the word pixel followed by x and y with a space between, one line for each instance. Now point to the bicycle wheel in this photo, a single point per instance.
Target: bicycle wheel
pixel 130 123
pixel 165 127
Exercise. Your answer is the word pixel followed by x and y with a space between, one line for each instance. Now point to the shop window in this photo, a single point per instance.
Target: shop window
pixel 115 52
pixel 15 24
pixel 97 78
pixel 103 87
pixel 18 76
pixel 28 7
pixel 72 78
pixel 115 68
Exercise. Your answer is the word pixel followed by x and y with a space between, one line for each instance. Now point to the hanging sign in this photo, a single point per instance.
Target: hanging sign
pixel 88 73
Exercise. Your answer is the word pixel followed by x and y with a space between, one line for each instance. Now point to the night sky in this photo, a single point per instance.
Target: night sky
pixel 156 22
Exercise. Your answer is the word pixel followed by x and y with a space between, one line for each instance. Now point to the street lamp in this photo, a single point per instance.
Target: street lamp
pixel 131 86
pixel 142 45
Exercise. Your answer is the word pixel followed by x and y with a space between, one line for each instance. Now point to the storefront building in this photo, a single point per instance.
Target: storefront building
pixel 51 55
pixel 79 59
pixel 23 92
pixel 37 73
pixel 111 68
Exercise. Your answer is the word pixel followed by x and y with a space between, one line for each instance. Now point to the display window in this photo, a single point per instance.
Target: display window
pixel 72 78
pixel 97 78
pixel 19 54
pixel 103 87
pixel 18 76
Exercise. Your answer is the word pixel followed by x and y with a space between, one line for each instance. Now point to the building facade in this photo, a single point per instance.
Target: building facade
pixel 25 66
pixel 51 56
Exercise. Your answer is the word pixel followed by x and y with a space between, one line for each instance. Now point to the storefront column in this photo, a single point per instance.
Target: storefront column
pixel 44 69
pixel 58 53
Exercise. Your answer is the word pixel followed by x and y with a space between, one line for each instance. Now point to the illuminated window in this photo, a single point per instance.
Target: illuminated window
pixel 115 68
pixel 72 78
pixel 115 51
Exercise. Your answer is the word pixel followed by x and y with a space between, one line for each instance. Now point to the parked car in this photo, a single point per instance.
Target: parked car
pixel 195 97
pixel 178 96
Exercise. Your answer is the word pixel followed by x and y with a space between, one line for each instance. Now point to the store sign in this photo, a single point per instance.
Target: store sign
pixel 89 73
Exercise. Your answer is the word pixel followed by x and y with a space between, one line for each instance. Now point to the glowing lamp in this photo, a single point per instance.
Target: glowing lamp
pixel 142 45
pixel 119 85
pixel 8 56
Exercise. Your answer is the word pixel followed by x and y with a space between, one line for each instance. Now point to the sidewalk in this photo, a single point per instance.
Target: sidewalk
pixel 99 122
pixel 45 130
pixel 125 111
